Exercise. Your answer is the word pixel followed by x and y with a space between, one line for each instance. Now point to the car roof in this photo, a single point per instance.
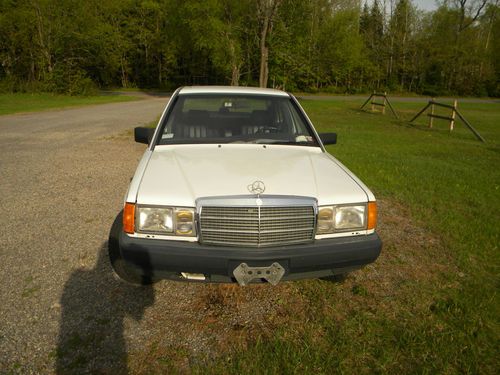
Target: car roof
pixel 230 90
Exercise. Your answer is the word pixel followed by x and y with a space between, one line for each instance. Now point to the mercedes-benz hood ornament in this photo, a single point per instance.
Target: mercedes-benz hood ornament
pixel 257 187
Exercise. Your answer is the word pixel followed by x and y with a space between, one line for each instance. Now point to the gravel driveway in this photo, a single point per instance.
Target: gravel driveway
pixel 61 183
pixel 63 175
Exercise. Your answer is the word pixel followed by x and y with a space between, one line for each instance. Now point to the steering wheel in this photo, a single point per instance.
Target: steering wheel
pixel 267 129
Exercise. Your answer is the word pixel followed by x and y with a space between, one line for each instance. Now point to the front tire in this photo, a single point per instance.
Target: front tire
pixel 116 259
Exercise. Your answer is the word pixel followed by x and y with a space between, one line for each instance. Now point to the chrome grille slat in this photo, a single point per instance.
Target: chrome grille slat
pixel 230 231
pixel 257 226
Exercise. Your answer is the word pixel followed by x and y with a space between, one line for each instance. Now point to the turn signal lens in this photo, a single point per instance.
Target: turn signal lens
pixel 372 215
pixel 129 218
pixel 184 222
pixel 325 220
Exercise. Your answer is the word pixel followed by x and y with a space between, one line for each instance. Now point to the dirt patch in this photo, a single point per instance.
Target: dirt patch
pixel 206 322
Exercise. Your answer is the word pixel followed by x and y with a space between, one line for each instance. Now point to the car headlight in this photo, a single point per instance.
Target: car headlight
pixel 343 218
pixel 166 220
pixel 155 219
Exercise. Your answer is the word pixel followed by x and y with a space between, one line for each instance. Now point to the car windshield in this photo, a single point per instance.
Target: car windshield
pixel 235 118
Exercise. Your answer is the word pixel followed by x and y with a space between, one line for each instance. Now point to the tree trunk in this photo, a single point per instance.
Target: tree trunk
pixel 124 74
pixel 235 62
pixel 160 78
pixel 235 76
pixel 488 36
pixel 43 42
pixel 264 53
pixel 264 67
pixel 391 60
pixel 266 12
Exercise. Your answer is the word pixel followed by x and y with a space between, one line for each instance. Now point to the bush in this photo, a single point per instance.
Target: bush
pixel 479 90
pixel 82 86
pixel 12 85
pixel 434 91
pixel 7 85
pixel 493 89
pixel 62 80
pixel 333 90
pixel 69 80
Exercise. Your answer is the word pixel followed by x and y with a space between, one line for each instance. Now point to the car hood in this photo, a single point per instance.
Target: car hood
pixel 178 175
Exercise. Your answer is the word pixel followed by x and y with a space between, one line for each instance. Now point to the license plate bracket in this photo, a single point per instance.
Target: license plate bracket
pixel 244 273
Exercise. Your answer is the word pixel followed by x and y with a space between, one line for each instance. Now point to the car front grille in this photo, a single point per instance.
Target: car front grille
pixel 257 226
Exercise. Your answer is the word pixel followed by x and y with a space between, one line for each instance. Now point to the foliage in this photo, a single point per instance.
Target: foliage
pixel 69 46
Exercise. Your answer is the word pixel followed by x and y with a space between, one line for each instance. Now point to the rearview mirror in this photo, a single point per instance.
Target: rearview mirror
pixel 328 138
pixel 143 135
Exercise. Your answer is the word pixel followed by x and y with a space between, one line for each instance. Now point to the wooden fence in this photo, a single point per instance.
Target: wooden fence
pixel 451 118
pixel 374 103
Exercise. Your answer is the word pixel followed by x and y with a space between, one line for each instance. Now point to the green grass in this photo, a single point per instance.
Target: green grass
pixel 15 103
pixel 449 183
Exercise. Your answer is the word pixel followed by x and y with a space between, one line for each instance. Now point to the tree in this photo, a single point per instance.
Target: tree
pixel 219 27
pixel 266 12
pixel 341 49
pixel 401 34
pixel 371 28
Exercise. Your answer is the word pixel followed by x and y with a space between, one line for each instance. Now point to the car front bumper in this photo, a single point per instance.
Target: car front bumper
pixel 168 259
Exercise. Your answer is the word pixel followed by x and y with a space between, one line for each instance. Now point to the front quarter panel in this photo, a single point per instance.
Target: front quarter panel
pixel 131 194
pixel 369 194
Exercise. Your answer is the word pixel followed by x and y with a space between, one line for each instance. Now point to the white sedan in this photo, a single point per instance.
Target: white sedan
pixel 236 186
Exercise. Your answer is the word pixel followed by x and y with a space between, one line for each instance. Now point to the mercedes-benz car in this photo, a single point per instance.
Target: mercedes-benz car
pixel 236 186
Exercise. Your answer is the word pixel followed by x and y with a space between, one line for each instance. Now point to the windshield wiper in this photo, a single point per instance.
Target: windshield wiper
pixel 271 141
pixel 283 142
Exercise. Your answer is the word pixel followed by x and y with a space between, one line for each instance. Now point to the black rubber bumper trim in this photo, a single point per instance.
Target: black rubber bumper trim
pixel 150 255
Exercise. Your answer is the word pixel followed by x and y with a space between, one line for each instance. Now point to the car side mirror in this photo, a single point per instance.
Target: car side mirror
pixel 143 135
pixel 328 138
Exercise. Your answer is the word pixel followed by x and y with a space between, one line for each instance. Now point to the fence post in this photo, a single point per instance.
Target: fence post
pixel 432 112
pixel 453 113
pixel 373 107
pixel 385 99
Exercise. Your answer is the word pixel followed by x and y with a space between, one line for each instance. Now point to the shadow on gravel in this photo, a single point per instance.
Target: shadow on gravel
pixel 94 305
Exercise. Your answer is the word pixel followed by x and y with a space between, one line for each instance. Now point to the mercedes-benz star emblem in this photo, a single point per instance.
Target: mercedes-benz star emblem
pixel 257 187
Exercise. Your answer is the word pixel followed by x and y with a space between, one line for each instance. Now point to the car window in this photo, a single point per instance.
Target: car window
pixel 215 118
